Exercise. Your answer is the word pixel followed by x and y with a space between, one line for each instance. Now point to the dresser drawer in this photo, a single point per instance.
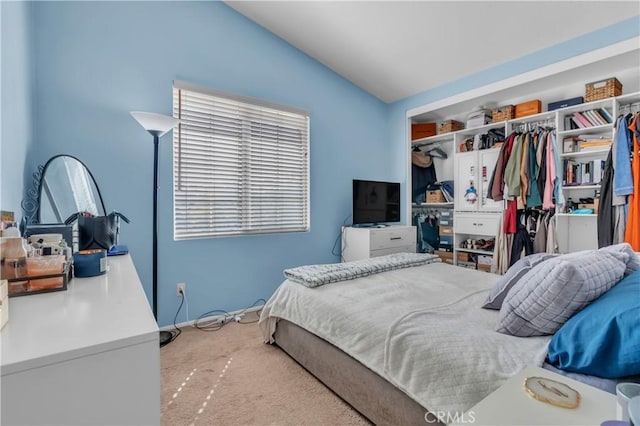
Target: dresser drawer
pixel 392 237
pixel 480 224
pixel 391 250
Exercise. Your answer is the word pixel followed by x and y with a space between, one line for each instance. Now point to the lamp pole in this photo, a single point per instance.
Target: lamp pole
pixel 156 139
pixel 157 125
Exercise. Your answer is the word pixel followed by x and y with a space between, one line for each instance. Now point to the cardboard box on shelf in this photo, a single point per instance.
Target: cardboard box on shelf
pixel 484 259
pixel 423 130
pixel 446 230
pixel 448 256
pixel 528 108
pixel 564 103
pixel 483 267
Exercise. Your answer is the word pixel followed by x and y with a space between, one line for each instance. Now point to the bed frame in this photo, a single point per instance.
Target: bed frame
pixel 371 395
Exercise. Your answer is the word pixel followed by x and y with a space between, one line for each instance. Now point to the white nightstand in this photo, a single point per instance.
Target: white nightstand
pixel 363 243
pixel 511 405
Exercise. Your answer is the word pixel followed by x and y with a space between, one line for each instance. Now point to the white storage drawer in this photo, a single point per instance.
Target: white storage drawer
pixel 363 243
pixel 411 248
pixel 391 237
pixel 478 223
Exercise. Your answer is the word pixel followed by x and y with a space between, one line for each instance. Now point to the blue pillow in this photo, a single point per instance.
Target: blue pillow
pixel 603 339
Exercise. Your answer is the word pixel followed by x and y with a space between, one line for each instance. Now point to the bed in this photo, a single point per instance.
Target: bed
pixel 403 345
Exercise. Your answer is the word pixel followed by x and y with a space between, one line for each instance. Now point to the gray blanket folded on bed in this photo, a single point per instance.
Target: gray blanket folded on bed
pixel 317 275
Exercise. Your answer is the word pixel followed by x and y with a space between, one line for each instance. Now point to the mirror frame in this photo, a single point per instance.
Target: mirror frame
pixel 31 202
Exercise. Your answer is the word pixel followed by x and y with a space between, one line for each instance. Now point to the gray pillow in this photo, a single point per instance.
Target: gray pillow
pixel 512 277
pixel 633 264
pixel 548 295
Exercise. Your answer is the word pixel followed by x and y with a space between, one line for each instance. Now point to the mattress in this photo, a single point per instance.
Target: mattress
pixel 418 304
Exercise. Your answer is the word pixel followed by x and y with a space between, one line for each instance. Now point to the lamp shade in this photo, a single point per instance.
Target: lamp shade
pixel 156 124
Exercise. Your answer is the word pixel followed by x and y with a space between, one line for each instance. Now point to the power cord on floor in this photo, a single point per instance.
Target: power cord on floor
pixel 338 238
pixel 208 324
pixel 175 333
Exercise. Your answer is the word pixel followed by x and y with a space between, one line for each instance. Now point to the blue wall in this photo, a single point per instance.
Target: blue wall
pixel 16 110
pixel 95 62
pixel 603 37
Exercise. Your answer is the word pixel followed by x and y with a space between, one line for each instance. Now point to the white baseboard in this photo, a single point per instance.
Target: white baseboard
pixel 213 318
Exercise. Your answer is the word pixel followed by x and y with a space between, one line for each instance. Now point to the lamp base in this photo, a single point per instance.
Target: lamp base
pixel 165 338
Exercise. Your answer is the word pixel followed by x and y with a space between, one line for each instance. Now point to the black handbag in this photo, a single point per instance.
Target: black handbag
pixel 97 232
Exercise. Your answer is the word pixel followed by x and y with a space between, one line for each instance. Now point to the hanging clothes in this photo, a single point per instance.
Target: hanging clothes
pixel 423 174
pixel 605 219
pixel 632 231
pixel 522 245
pixel 533 197
pixel 524 177
pixel 622 183
pixel 541 158
pixel 550 181
pixel 557 182
pixel 622 180
pixel 552 238
pixel 496 184
pixel 540 240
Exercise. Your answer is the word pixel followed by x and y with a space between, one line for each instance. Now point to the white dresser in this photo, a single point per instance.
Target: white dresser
pixel 88 355
pixel 363 243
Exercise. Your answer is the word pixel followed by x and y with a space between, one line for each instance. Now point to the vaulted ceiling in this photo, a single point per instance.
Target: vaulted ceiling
pixel 396 49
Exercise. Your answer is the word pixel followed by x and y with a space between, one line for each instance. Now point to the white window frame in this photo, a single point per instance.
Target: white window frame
pixel 241 166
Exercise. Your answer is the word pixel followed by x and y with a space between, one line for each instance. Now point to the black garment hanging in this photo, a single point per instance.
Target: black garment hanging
pixel 542 171
pixel 606 218
pixel 521 241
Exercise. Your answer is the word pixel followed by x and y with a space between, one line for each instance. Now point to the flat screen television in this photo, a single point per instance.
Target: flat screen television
pixel 375 202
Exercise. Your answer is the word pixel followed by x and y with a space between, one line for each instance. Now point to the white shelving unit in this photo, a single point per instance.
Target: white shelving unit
pixel 575 231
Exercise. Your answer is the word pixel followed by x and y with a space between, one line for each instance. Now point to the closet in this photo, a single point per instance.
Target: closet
pixel 477 217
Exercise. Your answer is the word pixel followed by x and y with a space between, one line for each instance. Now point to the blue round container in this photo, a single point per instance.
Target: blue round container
pixel 89 263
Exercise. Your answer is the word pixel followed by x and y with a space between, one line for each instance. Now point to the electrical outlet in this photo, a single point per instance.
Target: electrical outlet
pixel 181 288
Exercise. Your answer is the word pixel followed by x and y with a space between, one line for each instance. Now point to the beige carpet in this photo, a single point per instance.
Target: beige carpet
pixel 229 377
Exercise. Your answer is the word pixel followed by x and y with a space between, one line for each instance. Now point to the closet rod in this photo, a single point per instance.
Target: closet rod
pixel 630 108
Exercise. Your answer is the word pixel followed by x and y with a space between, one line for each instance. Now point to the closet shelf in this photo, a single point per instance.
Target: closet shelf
pixel 576 215
pixel 480 129
pixel 432 204
pixel 477 251
pixel 587 130
pixel 548 115
pixel 572 187
pixel 593 153
pixel 445 137
pixel 586 106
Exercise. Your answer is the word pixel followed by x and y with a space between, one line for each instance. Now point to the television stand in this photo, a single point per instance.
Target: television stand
pixel 371 225
pixel 365 242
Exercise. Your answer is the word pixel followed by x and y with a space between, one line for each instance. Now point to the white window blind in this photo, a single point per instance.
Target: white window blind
pixel 240 166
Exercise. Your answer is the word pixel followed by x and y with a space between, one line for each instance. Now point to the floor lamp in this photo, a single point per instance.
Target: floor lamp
pixel 158 125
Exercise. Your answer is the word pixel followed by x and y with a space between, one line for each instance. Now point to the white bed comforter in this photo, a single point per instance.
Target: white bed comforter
pixel 420 328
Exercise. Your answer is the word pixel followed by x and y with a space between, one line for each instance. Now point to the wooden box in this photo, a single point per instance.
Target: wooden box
pixel 435 196
pixel 450 126
pixel 422 130
pixel 528 108
pixel 503 113
pixel 602 89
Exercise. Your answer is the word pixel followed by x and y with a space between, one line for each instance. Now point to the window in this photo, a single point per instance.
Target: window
pixel 240 165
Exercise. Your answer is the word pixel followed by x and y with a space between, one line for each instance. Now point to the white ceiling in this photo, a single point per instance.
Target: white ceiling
pixel 395 49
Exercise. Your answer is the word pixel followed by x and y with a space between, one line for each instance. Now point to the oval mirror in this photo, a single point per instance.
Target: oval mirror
pixel 67 187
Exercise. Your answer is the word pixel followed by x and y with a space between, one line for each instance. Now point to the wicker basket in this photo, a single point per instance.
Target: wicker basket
pixel 503 113
pixel 602 89
pixel 450 126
